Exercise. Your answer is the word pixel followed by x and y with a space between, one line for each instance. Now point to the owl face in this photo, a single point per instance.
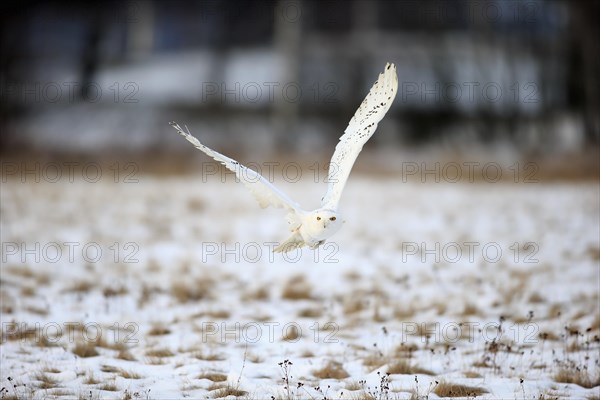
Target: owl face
pixel 323 223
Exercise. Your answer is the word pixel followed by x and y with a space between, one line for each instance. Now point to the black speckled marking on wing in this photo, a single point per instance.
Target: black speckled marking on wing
pixel 361 127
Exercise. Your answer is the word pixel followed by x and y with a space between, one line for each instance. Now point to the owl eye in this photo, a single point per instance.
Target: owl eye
pixel 318 218
pixel 332 219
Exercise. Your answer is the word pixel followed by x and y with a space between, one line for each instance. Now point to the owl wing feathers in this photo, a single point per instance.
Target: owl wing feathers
pixel 264 191
pixel 361 127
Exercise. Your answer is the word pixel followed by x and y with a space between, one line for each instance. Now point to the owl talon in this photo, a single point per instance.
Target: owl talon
pixel 319 243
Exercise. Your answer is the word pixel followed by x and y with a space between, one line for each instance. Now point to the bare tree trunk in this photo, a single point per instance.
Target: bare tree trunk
pixel 288 19
pixel 586 65
pixel 90 57
pixel 141 31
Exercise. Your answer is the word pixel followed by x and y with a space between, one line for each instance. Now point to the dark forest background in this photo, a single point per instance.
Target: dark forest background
pixel 286 76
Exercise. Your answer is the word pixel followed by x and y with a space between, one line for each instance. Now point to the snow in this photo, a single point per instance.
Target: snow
pixel 193 258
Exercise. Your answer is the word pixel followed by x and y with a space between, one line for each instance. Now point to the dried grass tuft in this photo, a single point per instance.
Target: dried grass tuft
pixel 402 367
pixel 578 376
pixel 297 288
pixel 85 349
pixel 229 391
pixel 446 389
pixel 213 376
pixel 331 370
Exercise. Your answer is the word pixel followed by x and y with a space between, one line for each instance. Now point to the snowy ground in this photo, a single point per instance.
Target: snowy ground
pixel 186 299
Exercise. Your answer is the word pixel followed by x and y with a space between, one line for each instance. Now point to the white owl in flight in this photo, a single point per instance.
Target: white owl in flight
pixel 312 228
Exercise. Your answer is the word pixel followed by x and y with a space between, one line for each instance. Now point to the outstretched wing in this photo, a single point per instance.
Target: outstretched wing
pixel 359 130
pixel 262 189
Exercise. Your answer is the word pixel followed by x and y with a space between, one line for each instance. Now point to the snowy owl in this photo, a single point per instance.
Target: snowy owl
pixel 312 228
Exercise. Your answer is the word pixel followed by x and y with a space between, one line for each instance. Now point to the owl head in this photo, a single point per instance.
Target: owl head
pixel 323 223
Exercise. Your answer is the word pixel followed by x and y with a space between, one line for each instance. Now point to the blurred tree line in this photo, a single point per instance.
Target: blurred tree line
pixel 526 72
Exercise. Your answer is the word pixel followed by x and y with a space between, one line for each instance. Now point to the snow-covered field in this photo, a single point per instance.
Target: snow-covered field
pixel 167 288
